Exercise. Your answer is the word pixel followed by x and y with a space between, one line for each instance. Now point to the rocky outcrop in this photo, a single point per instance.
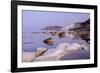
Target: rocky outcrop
pixel 40 51
pixel 61 34
pixel 60 51
pixel 29 56
pixel 48 41
pixel 44 54
pixel 81 30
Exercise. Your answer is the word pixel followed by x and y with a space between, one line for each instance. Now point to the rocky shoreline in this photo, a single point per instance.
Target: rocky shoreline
pixel 44 54
pixel 81 30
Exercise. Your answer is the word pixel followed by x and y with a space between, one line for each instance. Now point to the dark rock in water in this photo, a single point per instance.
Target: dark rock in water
pixel 45 33
pixel 49 41
pixel 61 34
pixel 54 33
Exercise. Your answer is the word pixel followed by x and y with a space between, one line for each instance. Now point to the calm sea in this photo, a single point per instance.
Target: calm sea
pixel 32 41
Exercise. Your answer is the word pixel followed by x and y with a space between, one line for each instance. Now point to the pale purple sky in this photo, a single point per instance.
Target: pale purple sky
pixel 36 20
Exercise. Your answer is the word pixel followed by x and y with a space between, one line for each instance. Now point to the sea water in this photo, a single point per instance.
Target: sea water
pixel 33 40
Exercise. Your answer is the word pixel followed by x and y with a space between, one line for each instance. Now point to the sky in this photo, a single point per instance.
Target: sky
pixel 36 20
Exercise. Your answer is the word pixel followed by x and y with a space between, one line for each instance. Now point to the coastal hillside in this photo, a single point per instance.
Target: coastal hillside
pixel 52 28
pixel 82 30
pixel 78 30
pixel 66 28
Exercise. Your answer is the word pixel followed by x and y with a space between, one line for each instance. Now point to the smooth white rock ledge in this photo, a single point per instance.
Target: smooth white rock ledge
pixel 52 54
